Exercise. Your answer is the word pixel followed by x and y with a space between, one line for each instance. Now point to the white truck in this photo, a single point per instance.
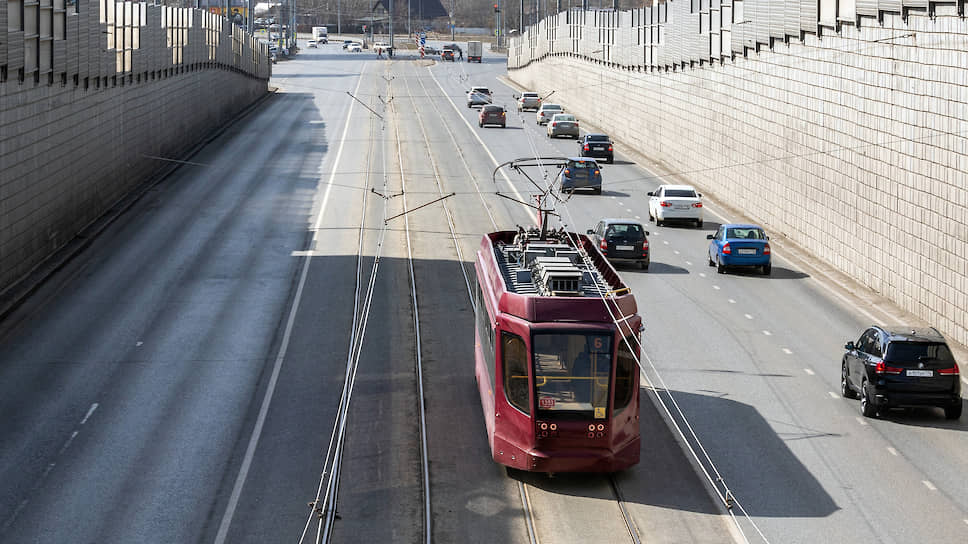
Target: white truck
pixel 320 34
pixel 474 51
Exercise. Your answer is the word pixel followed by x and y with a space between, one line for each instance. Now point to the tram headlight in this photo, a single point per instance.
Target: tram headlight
pixel 591 426
pixel 554 426
pixel 544 426
pixel 601 427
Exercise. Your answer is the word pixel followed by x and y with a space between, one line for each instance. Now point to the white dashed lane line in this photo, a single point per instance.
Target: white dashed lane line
pixel 808 371
pixel 703 275
pixel 787 351
pixel 688 263
pixel 892 451
pixel 716 287
pixel 861 421
pixel 833 395
pixel 929 485
pixel 674 251
pixel 767 333
pixel 90 411
pixel 731 301
pixel 747 316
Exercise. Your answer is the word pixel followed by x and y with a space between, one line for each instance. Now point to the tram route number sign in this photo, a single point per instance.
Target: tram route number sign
pixel 546 403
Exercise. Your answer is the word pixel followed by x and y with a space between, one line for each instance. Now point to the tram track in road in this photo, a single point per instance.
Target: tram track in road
pixel 523 488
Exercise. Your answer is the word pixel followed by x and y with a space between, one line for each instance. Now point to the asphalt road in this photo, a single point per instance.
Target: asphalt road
pixel 180 380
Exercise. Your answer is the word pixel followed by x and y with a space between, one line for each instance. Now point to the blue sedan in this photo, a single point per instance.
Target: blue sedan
pixel 581 173
pixel 739 245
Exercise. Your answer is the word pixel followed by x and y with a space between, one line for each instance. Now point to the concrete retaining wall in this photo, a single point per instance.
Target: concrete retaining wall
pixel 91 110
pixel 853 143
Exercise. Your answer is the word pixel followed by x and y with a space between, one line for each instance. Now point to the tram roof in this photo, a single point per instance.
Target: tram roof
pixel 547 279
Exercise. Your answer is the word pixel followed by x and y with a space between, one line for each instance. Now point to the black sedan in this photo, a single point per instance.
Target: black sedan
pixel 622 241
pixel 596 145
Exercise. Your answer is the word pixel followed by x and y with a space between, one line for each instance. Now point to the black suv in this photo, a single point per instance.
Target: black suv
pixel 596 145
pixel 622 240
pixel 899 367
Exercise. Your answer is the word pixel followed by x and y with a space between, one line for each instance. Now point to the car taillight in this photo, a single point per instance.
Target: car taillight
pixel 665 204
pixel 503 114
pixel 576 123
pixel 882 368
pixel 726 249
pixel 567 172
pixel 766 249
pixel 597 172
pixel 603 245
pixel 697 205
pixel 585 147
pixel 553 125
pixel 953 371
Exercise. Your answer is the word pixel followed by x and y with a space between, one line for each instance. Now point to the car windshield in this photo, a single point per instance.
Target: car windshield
pixel 571 373
pixel 625 230
pixel 747 233
pixel 914 352
pixel 687 193
pixel 597 138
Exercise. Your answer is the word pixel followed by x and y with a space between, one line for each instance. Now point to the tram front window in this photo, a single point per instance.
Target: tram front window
pixel 571 373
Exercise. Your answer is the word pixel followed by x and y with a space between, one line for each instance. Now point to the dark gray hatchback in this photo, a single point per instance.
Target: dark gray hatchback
pixel 892 367
pixel 622 241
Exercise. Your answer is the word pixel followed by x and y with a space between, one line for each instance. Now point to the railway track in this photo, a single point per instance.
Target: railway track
pixel 523 488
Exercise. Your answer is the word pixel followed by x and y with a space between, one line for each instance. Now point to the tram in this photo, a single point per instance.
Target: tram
pixel 556 354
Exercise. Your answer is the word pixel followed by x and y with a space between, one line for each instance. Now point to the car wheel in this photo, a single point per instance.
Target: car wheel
pixel 598 190
pixel 952 412
pixel 643 265
pixel 710 258
pixel 866 406
pixel 650 216
pixel 658 223
pixel 480 124
pixel 845 389
pixel 767 268
pixel 611 159
pixel 720 267
pixel 699 223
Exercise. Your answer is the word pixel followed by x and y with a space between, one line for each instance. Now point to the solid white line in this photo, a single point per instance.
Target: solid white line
pixel 223 529
pixel 833 395
pixel 483 145
pixel 787 351
pixel 767 333
pixel 90 411
pixel 808 371
pixel 929 485
pixel 860 420
pixel 892 451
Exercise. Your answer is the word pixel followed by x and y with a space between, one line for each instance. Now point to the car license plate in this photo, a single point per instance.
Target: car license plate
pixel 682 207
pixel 920 373
pixel 747 252
pixel 625 248
pixel 598 147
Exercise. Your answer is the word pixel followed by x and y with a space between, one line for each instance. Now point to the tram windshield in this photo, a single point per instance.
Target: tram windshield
pixel 571 373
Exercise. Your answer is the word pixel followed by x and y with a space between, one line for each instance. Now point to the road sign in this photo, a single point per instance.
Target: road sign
pixel 423 40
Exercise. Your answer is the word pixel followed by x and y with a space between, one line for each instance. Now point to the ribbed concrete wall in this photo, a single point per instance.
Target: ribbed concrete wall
pixel 85 119
pixel 854 144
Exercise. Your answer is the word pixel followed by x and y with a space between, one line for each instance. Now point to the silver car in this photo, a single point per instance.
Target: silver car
pixel 529 101
pixel 546 112
pixel 563 124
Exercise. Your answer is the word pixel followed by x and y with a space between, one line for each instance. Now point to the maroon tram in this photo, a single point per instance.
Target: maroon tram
pixel 556 354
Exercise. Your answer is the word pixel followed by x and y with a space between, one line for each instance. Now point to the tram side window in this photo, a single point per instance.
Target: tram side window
pixel 486 334
pixel 626 374
pixel 514 356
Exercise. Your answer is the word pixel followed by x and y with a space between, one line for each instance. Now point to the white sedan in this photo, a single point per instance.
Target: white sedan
pixel 675 203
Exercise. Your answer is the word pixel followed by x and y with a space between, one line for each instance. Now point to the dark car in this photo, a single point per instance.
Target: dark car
pixel 581 173
pixel 453 47
pixel 892 367
pixel 596 145
pixel 492 115
pixel 622 241
pixel 447 54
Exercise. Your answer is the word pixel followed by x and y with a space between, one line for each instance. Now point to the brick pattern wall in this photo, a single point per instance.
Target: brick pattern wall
pixel 854 144
pixel 77 137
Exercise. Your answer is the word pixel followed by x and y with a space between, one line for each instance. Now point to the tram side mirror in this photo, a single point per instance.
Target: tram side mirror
pixel 709 236
pixel 647 233
pixel 650 193
pixel 849 346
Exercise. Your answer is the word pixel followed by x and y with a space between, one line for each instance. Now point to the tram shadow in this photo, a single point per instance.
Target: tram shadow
pixel 761 471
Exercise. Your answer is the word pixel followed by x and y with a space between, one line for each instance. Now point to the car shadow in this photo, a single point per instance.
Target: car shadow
pixel 613 193
pixel 662 268
pixel 617 161
pixel 926 416
pixel 778 273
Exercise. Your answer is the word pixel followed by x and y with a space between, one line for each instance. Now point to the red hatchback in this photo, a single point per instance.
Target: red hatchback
pixel 493 115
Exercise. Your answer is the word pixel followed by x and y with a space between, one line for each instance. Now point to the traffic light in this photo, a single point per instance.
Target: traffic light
pixel 497 9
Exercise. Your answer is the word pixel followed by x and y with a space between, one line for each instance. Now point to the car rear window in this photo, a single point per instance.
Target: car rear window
pixel 745 233
pixel 915 352
pixel 564 117
pixel 688 193
pixel 493 109
pixel 551 107
pixel 530 95
pixel 625 230
pixel 597 138
pixel 583 164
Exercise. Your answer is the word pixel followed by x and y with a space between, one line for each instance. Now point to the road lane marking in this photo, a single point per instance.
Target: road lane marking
pixel 716 287
pixel 747 316
pixel 767 333
pixel 666 242
pixel 731 301
pixel 138 344
pixel 787 351
pixel 637 217
pixel 249 455
pixel 688 263
pixel 860 420
pixel 90 411
pixel 929 485
pixel 808 371
pixel 833 395
pixel 674 251
pixel 68 443
pixel 702 274
pixel 892 451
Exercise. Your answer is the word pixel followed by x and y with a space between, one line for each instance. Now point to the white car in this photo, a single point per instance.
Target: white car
pixel 354 48
pixel 478 96
pixel 380 48
pixel 675 203
pixel 311 43
pixel 547 111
